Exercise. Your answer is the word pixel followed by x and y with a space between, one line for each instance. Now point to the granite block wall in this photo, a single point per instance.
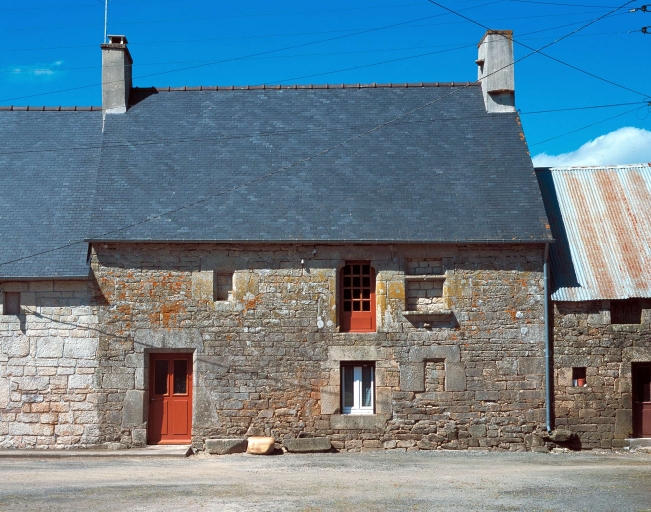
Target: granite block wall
pixel 48 366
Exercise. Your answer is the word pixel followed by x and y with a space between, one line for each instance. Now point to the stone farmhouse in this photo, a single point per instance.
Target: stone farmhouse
pixel 366 264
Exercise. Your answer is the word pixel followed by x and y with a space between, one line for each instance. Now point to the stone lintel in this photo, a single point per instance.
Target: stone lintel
pixel 358 353
pixel 152 339
pixel 449 353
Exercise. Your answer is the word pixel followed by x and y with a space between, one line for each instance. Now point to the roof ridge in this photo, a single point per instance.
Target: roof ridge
pixel 30 108
pixel 373 85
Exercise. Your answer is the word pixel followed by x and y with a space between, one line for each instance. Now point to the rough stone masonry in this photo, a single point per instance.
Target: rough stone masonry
pixel 267 356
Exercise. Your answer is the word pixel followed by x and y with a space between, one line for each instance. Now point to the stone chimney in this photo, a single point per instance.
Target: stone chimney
pixel 495 53
pixel 116 75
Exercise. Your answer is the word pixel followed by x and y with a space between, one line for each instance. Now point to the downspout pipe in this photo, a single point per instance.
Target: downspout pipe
pixel 548 346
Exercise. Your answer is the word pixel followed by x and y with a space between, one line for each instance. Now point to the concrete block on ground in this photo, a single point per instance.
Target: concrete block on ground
pixel 226 446
pixel 307 444
pixel 260 445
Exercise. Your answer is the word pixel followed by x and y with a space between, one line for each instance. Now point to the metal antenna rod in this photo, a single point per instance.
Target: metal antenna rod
pixel 105 19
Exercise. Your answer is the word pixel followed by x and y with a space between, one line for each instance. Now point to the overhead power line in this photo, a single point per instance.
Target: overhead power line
pixel 282 132
pixel 549 56
pixel 298 162
pixel 640 103
pixel 583 127
pixel 266 36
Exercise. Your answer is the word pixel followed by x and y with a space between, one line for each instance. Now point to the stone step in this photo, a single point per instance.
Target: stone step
pixel 638 442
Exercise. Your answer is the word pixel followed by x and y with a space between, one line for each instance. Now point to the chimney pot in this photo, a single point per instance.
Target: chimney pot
pixel 495 70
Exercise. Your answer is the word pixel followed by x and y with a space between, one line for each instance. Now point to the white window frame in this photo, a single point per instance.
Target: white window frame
pixel 357 407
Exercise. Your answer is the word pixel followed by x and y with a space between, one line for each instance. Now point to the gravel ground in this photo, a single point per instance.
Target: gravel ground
pixel 312 482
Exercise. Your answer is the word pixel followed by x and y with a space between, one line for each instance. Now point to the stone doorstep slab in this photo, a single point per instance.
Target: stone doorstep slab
pixel 639 443
pixel 166 451
pixel 307 444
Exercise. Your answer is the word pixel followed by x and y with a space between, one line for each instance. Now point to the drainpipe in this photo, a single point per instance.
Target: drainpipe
pixel 548 348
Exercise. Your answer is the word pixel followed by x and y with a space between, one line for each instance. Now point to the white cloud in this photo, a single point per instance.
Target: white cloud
pixel 31 72
pixel 627 145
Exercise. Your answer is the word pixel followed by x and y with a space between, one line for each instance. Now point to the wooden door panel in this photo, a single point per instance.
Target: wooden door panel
pixel 180 418
pixel 645 416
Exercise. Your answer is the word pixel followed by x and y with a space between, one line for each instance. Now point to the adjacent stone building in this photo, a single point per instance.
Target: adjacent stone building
pixel 601 273
pixel 364 263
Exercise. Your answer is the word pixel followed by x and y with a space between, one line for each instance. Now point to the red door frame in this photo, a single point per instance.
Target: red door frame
pixel 170 398
pixel 641 376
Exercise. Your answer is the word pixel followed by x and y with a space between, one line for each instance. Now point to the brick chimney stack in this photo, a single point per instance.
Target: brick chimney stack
pixel 116 75
pixel 496 53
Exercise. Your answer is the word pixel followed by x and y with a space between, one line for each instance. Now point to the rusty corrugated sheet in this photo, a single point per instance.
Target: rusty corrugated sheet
pixel 601 220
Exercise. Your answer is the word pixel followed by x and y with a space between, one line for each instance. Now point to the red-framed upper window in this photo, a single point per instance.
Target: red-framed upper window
pixel 357 297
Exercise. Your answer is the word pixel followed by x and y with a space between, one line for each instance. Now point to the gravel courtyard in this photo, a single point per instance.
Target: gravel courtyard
pixel 313 482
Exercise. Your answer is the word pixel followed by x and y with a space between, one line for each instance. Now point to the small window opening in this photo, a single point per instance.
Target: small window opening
pixel 358 388
pixel 358 297
pixel 628 311
pixel 579 376
pixel 11 303
pixel 222 285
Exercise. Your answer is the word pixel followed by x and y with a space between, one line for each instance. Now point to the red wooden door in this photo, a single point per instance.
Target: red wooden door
pixel 170 399
pixel 642 400
pixel 358 297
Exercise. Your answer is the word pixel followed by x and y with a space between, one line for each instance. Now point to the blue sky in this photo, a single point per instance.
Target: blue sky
pixel 53 46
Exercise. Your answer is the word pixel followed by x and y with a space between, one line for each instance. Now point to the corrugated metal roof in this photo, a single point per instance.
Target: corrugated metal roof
pixel 600 218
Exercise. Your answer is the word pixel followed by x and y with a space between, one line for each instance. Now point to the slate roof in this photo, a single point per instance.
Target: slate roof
pixel 45 190
pixel 601 219
pixel 260 164
pixel 449 172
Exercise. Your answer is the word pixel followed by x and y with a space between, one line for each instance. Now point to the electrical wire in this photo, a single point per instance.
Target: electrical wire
pixel 584 127
pixel 549 56
pixel 277 132
pixel 294 164
pixel 267 36
pixel 585 108
pixel 232 59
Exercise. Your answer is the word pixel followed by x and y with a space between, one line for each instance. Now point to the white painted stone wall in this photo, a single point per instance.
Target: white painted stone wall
pixel 48 367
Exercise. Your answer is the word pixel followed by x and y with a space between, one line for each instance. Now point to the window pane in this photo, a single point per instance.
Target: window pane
pixel 367 386
pixel 349 396
pixel 356 281
pixel 366 294
pixel 12 303
pixel 160 377
pixel 347 305
pixel 355 269
pixel 356 306
pixel 347 282
pixel 357 293
pixel 347 294
pixel 180 377
pixel 366 281
pixel 347 270
pixel 366 269
pixel 366 305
